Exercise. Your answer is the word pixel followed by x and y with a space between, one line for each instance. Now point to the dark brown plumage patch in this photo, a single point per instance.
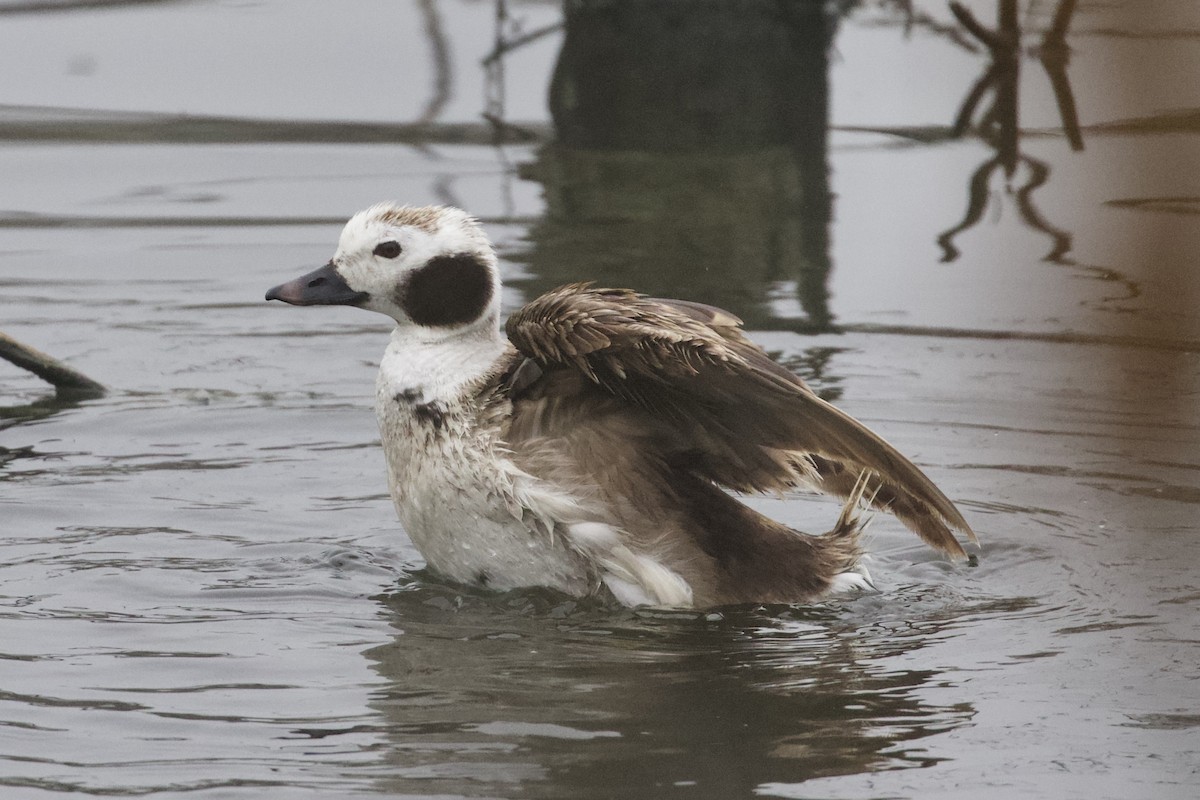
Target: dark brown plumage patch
pixel 748 423
pixel 432 413
pixel 449 290
pixel 410 396
pixel 759 559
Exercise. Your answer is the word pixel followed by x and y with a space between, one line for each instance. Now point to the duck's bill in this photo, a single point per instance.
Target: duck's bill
pixel 321 287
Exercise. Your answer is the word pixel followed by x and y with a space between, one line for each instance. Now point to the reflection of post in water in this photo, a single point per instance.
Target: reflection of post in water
pixel 689 157
pixel 999 123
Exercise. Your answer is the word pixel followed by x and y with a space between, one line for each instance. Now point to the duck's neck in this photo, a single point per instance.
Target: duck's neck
pixel 442 367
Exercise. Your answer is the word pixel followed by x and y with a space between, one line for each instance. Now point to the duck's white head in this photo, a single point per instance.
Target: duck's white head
pixel 430 268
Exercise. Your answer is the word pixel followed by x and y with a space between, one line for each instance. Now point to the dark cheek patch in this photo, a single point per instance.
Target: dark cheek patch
pixel 449 290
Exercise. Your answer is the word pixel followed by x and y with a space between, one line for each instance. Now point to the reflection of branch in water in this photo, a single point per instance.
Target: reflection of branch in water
pixel 443 72
pixel 1062 20
pixel 963 121
pixel 495 88
pixel 57 125
pixel 1001 75
pixel 443 190
pixel 999 122
pixel 914 19
pixel 1033 218
pixel 53 6
pixel 504 47
pixel 495 99
pixel 1055 55
pixel 977 204
pixel 999 126
pixel 493 72
pixel 990 40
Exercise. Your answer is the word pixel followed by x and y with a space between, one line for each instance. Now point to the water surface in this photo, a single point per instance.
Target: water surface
pixel 203 588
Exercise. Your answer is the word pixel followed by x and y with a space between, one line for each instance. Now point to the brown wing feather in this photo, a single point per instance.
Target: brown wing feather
pixel 742 419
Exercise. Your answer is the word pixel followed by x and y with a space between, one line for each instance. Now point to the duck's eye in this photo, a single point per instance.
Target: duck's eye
pixel 387 249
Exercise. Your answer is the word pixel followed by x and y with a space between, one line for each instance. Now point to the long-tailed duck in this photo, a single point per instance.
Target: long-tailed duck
pixel 591 449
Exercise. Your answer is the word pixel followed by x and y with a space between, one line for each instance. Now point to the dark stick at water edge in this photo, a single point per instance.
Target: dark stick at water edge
pixel 48 368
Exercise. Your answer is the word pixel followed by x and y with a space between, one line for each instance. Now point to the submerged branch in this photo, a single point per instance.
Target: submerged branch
pixel 48 368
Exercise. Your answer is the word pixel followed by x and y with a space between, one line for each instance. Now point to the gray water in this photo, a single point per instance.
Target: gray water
pixel 203 588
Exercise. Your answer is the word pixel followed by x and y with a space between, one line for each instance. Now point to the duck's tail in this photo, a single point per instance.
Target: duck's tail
pixel 844 541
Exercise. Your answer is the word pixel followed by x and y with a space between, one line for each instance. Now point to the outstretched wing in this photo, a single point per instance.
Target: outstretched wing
pixel 739 418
